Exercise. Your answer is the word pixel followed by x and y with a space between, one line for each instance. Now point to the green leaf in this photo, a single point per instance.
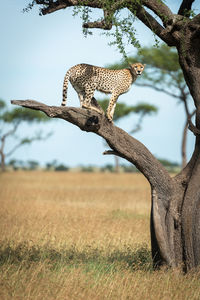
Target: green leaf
pixel 122 110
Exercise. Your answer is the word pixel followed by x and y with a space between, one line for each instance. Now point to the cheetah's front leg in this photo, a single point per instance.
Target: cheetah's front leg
pixel 111 107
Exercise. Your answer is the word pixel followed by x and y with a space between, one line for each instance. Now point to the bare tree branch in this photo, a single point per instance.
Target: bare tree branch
pixel 158 89
pixel 14 149
pixel 4 136
pixel 60 4
pixel 163 33
pixel 110 152
pixel 28 140
pixel 105 23
pixel 160 9
pixel 10 132
pixel 119 141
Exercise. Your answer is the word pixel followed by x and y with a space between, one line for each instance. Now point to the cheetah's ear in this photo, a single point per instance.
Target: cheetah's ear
pixel 144 65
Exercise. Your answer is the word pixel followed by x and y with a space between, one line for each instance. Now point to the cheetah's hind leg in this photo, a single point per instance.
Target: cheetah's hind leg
pixel 84 105
pixel 87 104
pixel 91 103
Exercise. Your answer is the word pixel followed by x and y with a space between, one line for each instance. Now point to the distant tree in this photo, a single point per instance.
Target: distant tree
pixel 32 165
pixel 61 167
pixel 122 110
pixel 55 166
pixel 51 165
pixel 24 165
pixel 9 123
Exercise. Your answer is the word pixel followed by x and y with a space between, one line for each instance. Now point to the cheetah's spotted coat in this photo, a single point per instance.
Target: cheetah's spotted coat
pixel 87 78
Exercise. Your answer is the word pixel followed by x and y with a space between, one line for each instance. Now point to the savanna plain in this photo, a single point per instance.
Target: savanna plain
pixel 77 236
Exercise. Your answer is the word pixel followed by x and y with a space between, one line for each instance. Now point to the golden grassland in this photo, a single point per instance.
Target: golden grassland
pixel 81 236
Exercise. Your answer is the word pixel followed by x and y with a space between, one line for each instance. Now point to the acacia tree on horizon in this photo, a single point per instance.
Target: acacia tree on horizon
pixel 10 121
pixel 175 211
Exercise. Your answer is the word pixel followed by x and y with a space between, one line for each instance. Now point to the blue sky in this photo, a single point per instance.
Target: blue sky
pixel 35 54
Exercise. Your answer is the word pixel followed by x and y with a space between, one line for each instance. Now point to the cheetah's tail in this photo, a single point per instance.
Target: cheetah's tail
pixel 65 87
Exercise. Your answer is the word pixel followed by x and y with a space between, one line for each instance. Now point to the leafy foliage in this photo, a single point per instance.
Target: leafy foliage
pixel 123 32
pixel 2 104
pixel 20 114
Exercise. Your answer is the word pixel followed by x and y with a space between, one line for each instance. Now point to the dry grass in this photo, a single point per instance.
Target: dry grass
pixel 81 236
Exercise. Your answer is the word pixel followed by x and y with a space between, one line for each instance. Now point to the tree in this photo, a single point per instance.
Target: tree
pixel 122 110
pixel 13 118
pixel 175 213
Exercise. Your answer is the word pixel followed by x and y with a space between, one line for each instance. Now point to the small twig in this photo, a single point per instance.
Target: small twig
pixel 157 89
pixel 193 128
pixel 105 23
pixel 108 152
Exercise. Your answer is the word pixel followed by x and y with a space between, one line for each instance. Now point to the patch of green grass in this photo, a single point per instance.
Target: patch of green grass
pixel 90 259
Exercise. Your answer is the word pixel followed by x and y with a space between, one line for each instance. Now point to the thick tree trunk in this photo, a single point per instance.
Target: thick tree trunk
pixel 189 59
pixel 190 219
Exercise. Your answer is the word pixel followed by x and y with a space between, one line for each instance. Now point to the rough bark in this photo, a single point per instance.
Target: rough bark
pixel 183 145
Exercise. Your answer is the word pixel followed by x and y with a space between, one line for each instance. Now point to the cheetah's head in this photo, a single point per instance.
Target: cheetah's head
pixel 138 68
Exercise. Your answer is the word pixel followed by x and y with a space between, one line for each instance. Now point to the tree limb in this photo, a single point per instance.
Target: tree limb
pixel 196 19
pixel 105 23
pixel 51 7
pixel 158 89
pixel 185 6
pixel 110 152
pixel 14 149
pixel 122 143
pixel 27 140
pixel 10 132
pixel 163 33
pixel 4 136
pixel 160 9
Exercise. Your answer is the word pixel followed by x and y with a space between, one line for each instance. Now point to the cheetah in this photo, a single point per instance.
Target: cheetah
pixel 85 79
